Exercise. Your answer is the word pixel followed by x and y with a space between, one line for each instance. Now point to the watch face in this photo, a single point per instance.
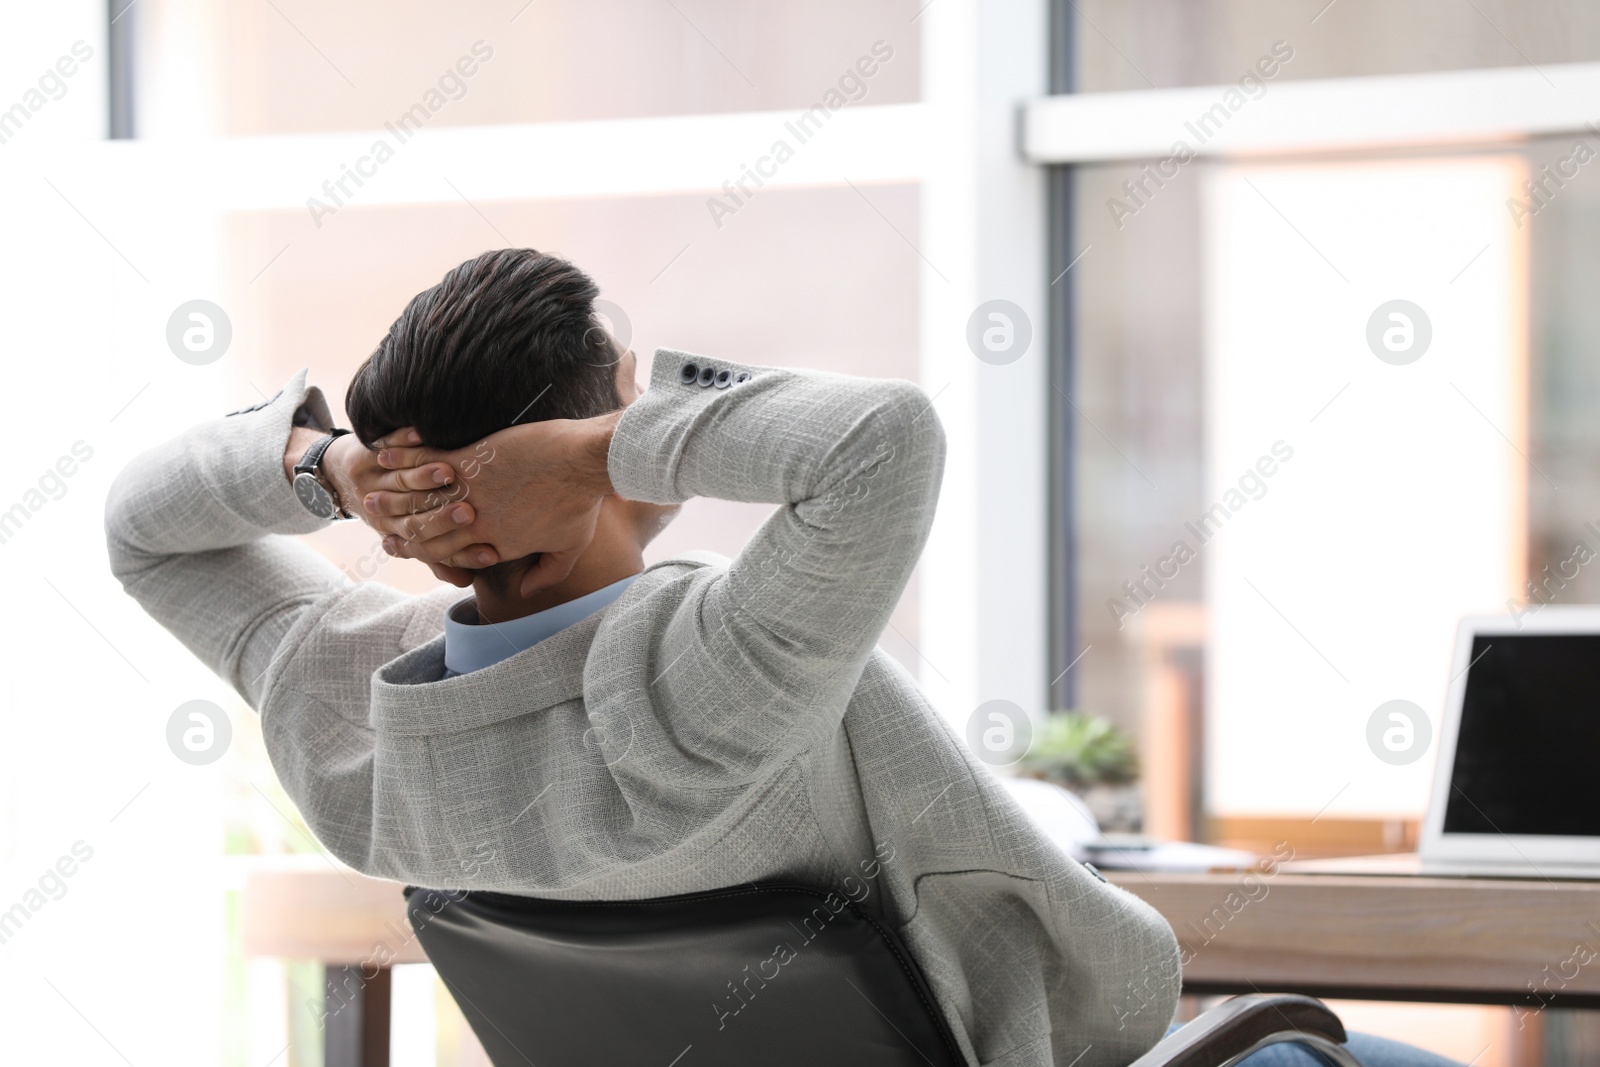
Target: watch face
pixel 313 496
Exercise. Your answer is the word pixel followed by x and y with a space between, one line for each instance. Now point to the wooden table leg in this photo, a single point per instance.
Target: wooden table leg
pixel 356 1033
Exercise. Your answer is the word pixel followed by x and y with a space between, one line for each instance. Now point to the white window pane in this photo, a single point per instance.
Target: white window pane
pixel 1397 495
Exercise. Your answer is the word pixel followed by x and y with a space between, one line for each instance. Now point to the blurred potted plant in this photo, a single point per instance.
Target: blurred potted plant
pixel 1094 758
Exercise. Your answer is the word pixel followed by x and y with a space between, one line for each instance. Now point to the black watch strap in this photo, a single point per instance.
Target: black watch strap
pixel 313 458
pixel 310 465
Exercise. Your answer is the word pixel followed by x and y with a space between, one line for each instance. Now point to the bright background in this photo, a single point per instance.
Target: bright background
pixel 1226 314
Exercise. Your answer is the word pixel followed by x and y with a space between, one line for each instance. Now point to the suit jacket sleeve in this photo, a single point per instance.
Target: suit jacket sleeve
pixel 771 649
pixel 189 528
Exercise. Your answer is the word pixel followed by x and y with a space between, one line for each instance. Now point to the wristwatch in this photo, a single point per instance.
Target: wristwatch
pixel 311 487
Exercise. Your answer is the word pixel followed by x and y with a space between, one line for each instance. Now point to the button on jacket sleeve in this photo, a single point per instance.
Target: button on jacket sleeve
pixel 855 465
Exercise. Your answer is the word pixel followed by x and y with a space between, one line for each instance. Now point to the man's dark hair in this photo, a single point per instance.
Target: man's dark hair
pixel 506 338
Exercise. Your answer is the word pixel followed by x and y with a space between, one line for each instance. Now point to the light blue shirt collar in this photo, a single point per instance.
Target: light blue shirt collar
pixel 471 645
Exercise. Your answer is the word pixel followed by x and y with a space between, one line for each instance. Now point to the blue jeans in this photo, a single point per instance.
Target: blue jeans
pixel 1371 1051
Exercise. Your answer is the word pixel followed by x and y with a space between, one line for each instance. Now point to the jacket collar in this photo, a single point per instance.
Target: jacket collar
pixel 408 696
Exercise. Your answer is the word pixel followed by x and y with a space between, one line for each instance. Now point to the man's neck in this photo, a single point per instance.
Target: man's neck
pixel 596 569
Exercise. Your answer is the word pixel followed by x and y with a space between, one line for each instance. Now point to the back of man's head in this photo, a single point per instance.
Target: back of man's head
pixel 506 338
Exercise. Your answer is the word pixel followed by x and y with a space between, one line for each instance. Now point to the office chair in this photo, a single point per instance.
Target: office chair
pixel 772 974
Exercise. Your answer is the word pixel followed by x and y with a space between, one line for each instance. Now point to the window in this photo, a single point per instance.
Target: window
pixel 1287 483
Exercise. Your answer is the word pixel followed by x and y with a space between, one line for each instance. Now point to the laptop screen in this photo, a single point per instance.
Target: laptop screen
pixel 1529 738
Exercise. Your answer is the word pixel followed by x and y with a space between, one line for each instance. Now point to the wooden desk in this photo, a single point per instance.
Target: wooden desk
pixel 1342 935
pixel 309 908
pixel 1374 937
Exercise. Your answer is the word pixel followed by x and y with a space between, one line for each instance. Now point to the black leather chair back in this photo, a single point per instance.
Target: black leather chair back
pixel 776 975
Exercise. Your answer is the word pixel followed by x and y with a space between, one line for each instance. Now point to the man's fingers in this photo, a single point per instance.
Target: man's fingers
pixel 430 476
pixel 473 557
pixel 454 575
pixel 395 457
pixel 425 526
pixel 428 526
pixel 552 567
pixel 405 435
pixel 418 506
pixel 458 548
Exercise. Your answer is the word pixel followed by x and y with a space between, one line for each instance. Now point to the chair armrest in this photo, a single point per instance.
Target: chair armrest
pixel 1245 1023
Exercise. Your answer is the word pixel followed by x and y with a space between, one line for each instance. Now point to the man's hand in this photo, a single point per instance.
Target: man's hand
pixel 537 488
pixel 354 472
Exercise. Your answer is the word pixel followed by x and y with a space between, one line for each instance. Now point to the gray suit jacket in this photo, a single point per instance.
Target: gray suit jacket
pixel 722 722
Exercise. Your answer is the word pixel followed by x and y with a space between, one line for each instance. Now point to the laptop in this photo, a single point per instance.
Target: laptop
pixel 1516 789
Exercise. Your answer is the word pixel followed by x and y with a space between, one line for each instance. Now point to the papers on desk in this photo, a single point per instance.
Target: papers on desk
pixel 1067 821
pixel 1170 856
